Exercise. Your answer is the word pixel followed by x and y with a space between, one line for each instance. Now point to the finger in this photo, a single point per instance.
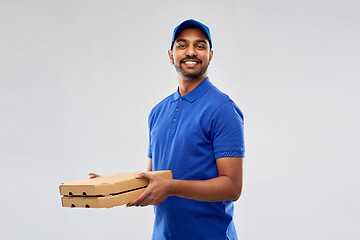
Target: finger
pixel 137 202
pixel 145 203
pixel 144 176
pixel 94 175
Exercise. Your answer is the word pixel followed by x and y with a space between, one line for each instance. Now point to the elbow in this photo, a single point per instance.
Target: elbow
pixel 236 193
pixel 233 190
pixel 236 197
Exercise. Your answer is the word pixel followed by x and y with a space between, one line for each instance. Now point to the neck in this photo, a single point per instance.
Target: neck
pixel 187 85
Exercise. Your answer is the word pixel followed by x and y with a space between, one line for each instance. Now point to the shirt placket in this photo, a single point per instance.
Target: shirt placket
pixel 176 114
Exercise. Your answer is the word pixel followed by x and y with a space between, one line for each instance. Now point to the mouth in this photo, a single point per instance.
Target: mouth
pixel 190 62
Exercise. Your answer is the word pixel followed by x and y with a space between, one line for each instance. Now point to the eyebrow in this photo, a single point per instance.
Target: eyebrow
pixel 184 40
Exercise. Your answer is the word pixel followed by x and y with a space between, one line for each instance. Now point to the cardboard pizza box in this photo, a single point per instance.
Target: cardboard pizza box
pixel 106 191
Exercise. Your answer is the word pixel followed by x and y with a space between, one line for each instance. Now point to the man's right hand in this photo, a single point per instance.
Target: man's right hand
pixel 93 175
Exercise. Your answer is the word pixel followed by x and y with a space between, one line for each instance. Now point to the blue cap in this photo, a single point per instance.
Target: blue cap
pixel 191 23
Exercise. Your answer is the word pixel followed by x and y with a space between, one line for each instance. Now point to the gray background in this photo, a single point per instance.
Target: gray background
pixel 78 79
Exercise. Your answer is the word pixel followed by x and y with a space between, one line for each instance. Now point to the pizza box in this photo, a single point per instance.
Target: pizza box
pixel 106 191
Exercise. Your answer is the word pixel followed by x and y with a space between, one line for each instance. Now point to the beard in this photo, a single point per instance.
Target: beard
pixel 191 75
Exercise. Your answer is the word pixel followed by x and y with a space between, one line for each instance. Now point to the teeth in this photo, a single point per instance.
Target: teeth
pixel 191 62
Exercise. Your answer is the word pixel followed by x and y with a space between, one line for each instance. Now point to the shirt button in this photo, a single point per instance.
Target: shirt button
pixel 180 99
pixel 177 109
pixel 174 120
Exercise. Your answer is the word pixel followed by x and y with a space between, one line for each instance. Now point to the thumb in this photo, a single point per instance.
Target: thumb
pixel 144 176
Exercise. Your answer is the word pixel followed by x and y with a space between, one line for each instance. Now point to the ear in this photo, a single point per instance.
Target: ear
pixel 211 55
pixel 170 52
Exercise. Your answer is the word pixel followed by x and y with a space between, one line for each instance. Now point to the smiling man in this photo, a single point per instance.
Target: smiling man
pixel 197 132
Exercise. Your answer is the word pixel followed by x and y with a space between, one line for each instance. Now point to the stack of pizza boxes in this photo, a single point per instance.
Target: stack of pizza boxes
pixel 106 191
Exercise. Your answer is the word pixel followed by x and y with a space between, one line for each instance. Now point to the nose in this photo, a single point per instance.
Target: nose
pixel 191 51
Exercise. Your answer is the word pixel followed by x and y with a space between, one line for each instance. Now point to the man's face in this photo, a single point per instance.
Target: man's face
pixel 191 54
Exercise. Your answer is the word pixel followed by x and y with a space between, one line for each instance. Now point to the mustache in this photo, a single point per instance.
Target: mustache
pixel 191 58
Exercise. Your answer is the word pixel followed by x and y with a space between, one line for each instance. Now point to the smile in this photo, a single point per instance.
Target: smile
pixel 190 62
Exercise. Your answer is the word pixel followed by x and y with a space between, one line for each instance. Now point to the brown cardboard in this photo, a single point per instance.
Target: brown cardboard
pixel 106 191
pixel 102 201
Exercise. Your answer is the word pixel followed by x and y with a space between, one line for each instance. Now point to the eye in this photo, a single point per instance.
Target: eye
pixel 201 46
pixel 181 46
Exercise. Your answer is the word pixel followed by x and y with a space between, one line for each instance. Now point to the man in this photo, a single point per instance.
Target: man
pixel 197 132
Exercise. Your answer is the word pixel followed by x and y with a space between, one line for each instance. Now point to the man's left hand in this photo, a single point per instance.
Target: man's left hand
pixel 156 192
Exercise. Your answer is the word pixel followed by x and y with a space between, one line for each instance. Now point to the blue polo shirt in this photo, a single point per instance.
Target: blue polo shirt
pixel 186 135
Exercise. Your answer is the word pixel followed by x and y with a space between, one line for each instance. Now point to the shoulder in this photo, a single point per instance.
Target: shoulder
pixel 221 100
pixel 160 106
pixel 163 102
pixel 218 95
pixel 222 104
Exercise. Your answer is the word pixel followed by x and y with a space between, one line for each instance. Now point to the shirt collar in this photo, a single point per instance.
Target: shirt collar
pixel 196 93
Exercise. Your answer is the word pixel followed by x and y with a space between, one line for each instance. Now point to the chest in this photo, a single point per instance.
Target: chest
pixel 184 120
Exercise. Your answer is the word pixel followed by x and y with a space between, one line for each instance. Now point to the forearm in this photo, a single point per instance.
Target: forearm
pixel 149 166
pixel 221 188
pixel 225 187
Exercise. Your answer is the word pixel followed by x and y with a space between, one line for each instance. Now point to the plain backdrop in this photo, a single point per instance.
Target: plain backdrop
pixel 78 79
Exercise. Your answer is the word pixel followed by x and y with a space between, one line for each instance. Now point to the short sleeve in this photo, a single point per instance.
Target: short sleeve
pixel 227 131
